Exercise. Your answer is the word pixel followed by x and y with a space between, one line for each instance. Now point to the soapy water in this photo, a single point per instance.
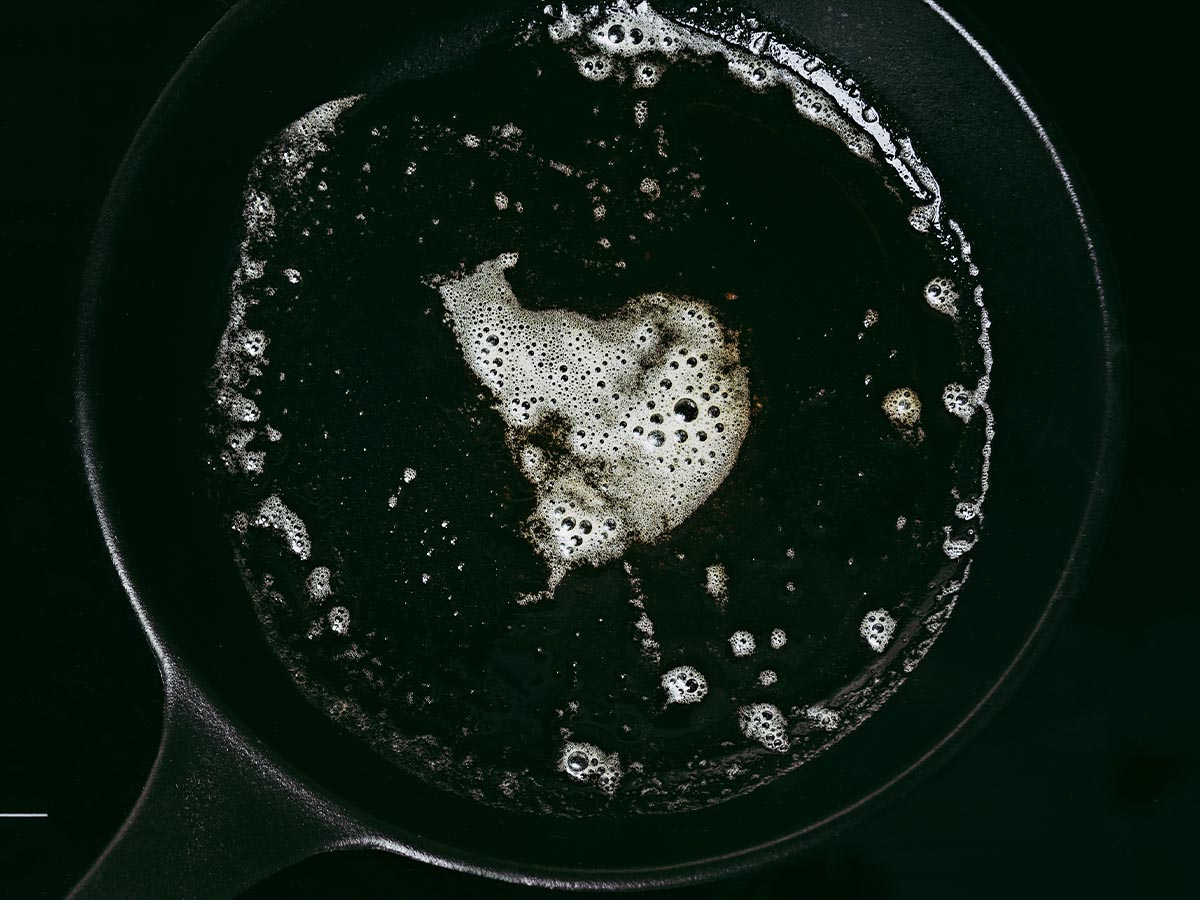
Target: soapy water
pixel 509 298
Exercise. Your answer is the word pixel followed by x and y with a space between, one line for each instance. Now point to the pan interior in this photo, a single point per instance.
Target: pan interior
pixel 377 486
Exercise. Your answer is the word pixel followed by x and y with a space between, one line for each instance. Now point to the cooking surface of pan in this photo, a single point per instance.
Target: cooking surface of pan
pixel 157 304
pixel 387 455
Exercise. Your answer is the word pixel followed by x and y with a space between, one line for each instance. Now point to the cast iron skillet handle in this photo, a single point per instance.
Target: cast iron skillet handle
pixel 216 815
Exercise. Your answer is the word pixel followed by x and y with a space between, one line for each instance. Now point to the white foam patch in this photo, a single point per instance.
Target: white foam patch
pixel 827 719
pixel 641 112
pixel 305 138
pixel 959 401
pixel 942 296
pixel 644 624
pixel 903 407
pixel 716 583
pixel 954 547
pixel 763 722
pixel 877 628
pixel 779 639
pixel 339 620
pixel 237 455
pixel 624 425
pixel 274 514
pixel 684 684
pixel 241 354
pixel 319 583
pixel 767 677
pixel 742 643
pixel 636 44
pixel 588 763
pixel 967 509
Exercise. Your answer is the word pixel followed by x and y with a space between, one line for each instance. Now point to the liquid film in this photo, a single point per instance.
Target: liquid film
pixel 559 457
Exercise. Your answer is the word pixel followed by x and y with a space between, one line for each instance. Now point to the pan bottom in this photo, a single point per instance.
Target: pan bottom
pixel 392 498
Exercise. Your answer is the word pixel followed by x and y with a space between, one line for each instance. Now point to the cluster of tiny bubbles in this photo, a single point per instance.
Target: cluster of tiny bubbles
pixel 274 515
pixel 742 643
pixel 903 407
pixel 822 717
pixel 588 763
pixel 305 138
pixel 339 620
pixel 877 629
pixel 763 722
pixel 954 547
pixel 967 509
pixel 778 639
pixel 241 354
pixel 942 296
pixel 319 583
pixel 684 684
pixel 624 425
pixel 716 584
pixel 650 188
pixel 767 677
pixel 635 44
pixel 959 401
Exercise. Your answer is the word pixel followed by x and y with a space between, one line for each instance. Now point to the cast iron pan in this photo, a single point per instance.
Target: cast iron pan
pixel 250 777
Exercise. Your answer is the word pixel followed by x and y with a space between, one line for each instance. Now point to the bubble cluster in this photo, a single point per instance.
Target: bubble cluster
pixel 828 719
pixel 319 583
pixel 684 684
pixel 903 407
pixel 763 722
pixel 603 44
pixel 954 547
pixel 767 677
pixel 742 643
pixel 339 620
pixel 305 138
pixel 941 295
pixel 624 425
pixel 274 515
pixel 778 639
pixel 959 401
pixel 588 763
pixel 716 583
pixel 877 629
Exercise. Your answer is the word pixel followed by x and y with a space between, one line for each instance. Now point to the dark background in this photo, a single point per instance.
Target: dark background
pixel 1085 783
